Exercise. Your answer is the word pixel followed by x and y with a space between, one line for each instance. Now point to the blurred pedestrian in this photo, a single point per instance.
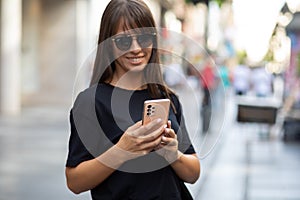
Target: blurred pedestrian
pixel 174 75
pixel 262 82
pixel 224 76
pixel 208 83
pixel 241 79
pixel 133 74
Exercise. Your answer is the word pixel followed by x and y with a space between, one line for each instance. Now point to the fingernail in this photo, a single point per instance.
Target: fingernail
pixel 158 120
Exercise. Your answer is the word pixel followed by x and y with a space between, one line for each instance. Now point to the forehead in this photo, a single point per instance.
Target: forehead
pixel 124 26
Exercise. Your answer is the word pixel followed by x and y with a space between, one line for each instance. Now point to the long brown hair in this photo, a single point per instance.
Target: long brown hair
pixel 134 14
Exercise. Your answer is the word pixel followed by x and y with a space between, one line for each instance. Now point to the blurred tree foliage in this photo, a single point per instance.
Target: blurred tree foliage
pixel 269 57
pixel 242 56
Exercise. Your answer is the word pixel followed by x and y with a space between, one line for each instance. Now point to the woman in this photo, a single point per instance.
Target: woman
pixel 132 161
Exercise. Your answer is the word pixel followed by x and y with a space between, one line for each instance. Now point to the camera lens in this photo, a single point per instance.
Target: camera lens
pixel 149 106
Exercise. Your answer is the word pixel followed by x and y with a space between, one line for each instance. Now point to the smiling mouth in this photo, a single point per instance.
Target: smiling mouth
pixel 135 60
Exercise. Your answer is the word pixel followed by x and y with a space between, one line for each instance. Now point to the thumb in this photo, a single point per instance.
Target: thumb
pixel 169 124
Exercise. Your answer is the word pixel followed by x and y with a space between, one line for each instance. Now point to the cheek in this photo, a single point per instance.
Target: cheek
pixel 149 54
pixel 120 59
pixel 148 51
pixel 117 53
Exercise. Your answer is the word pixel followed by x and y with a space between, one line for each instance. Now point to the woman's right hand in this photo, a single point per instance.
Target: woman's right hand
pixel 139 139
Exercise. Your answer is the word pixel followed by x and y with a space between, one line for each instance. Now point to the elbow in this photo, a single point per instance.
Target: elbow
pixel 71 184
pixel 193 179
pixel 73 188
pixel 195 174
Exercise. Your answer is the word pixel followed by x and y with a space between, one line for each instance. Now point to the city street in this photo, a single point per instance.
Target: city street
pixel 232 63
pixel 243 164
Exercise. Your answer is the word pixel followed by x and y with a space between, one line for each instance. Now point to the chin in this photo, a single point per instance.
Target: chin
pixel 138 68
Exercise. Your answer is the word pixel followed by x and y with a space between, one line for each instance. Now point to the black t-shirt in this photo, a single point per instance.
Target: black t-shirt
pixel 100 115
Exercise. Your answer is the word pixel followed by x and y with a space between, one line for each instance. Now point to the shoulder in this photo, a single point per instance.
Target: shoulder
pixel 84 98
pixel 85 101
pixel 88 95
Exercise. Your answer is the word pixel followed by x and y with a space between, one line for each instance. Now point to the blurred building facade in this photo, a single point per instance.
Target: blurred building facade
pixel 42 45
pixel 38 52
pixel 44 42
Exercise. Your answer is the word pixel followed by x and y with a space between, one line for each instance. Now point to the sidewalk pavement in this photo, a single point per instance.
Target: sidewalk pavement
pixel 249 168
pixel 242 165
pixel 246 165
pixel 33 148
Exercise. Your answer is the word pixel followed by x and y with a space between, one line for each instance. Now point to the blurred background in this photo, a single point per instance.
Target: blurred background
pixel 239 87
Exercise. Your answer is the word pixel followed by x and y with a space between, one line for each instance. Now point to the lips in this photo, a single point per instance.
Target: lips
pixel 135 60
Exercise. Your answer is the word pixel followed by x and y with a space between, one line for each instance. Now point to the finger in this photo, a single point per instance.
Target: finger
pixel 169 124
pixel 159 146
pixel 152 144
pixel 169 141
pixel 149 128
pixel 169 133
pixel 154 123
pixel 156 134
pixel 135 126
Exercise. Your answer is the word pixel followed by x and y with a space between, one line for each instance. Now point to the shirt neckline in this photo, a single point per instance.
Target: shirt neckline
pixel 123 89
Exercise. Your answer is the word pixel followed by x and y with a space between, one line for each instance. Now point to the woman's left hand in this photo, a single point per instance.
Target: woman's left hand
pixel 187 167
pixel 168 148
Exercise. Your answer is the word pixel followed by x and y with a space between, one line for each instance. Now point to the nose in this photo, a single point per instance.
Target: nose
pixel 135 45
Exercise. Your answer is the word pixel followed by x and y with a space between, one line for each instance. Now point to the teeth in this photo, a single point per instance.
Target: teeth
pixel 135 59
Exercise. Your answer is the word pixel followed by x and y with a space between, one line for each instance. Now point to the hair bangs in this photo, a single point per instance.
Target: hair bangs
pixel 134 17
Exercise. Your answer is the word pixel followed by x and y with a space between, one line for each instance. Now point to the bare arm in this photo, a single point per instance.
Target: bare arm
pixel 138 140
pixel 187 167
pixel 89 174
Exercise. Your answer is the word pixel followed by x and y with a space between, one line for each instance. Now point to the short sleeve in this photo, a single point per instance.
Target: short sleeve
pixel 87 139
pixel 77 151
pixel 184 142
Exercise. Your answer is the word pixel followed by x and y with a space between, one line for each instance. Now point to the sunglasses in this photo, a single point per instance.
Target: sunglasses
pixel 123 42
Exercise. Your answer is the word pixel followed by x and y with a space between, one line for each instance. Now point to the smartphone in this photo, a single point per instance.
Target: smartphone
pixel 154 109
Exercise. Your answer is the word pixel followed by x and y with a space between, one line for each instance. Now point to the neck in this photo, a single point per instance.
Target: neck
pixel 129 81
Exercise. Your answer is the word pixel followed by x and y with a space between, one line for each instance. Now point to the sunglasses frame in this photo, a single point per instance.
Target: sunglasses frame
pixel 133 36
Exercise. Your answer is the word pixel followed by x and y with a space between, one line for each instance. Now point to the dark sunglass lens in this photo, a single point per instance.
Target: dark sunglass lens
pixel 124 42
pixel 145 40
